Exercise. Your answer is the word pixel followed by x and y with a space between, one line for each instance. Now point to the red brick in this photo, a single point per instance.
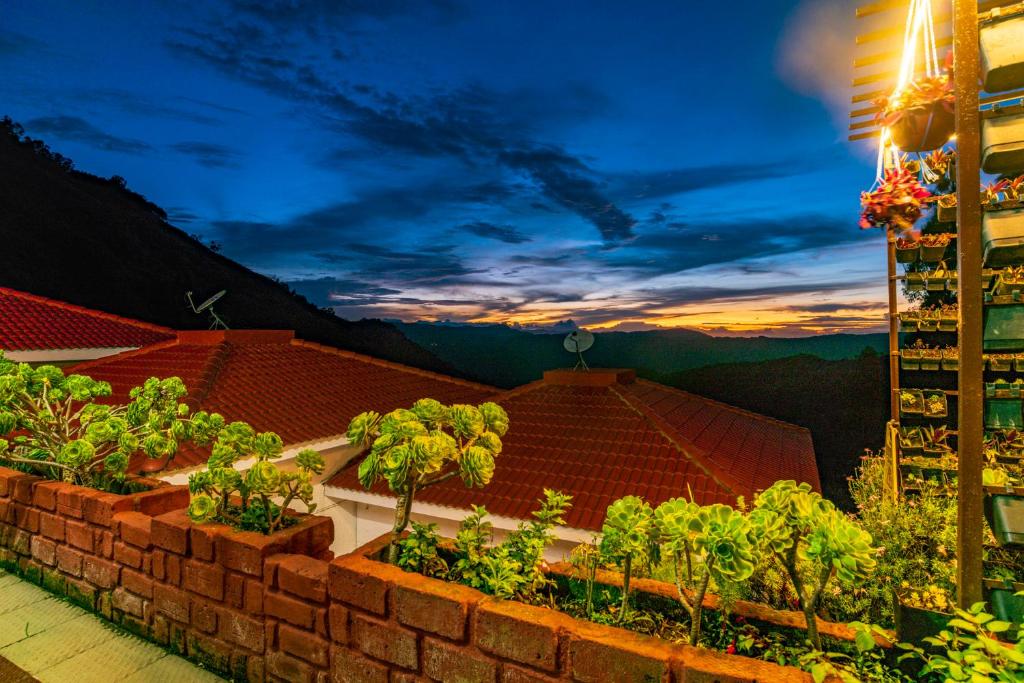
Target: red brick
pixel 522 633
pixel 446 662
pixel 7 479
pixel 302 576
pixel 611 654
pixel 172 602
pixel 158 567
pixel 44 495
pixel 169 531
pixel 51 526
pixel 26 517
pixel 384 641
pixel 80 535
pixel 172 568
pixel 358 588
pixel 126 602
pixel 253 596
pixel 242 630
pixel 100 510
pixel 127 555
pixel 234 590
pixel 162 500
pixel 289 609
pixel 290 669
pixel 137 583
pixel 134 528
pixel 105 544
pixel 510 673
pixel 434 606
pixel 204 616
pixel 321 622
pixel 302 644
pixel 21 491
pixel 69 560
pixel 205 579
pixel 351 667
pixel 203 538
pixel 6 511
pixel 338 617
pixel 101 573
pixel 44 550
pixel 21 542
pixel 69 502
pixel 244 551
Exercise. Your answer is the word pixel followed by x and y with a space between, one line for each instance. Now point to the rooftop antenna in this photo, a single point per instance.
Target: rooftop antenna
pixel 577 342
pixel 215 320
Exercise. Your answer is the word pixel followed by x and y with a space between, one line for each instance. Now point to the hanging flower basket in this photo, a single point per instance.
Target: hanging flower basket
pixel 920 118
pixel 896 204
pixel 1002 54
pixel 1002 141
pixel 945 209
pixel 907 250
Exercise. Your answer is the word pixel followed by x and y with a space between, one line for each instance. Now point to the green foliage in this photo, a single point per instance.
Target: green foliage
pixel 972 650
pixel 418 551
pixel 476 533
pixel 813 541
pixel 55 425
pixel 427 444
pixel 628 536
pixel 216 489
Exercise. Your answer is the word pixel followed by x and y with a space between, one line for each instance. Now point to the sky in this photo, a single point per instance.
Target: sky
pixel 625 165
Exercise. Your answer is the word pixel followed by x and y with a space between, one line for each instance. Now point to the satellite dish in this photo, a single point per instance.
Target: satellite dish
pixel 215 320
pixel 577 342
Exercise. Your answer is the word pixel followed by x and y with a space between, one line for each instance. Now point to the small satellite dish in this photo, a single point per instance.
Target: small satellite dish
pixel 215 320
pixel 577 342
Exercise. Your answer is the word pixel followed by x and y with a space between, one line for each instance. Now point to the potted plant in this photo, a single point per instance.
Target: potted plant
pixel 1002 229
pixel 1001 362
pixel 1004 507
pixel 920 117
pixel 938 166
pixel 911 441
pixel 909 320
pixel 936 281
pixel 916 281
pixel 896 204
pixel 933 247
pixel 948 318
pixel 907 249
pixel 935 404
pixel 910 356
pixel 921 612
pixel 928 320
pixel 911 402
pixel 426 445
pixel 936 441
pixel 951 358
pixel 931 358
pixel 945 208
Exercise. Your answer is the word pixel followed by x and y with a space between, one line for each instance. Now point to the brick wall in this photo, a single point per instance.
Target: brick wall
pixel 279 608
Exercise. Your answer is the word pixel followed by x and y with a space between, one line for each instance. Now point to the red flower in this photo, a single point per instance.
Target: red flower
pixel 896 204
pixel 731 650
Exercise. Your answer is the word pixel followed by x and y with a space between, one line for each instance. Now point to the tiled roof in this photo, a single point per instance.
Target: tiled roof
pixel 303 391
pixel 602 435
pixel 35 323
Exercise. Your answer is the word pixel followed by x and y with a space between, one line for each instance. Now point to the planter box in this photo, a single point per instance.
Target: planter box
pixel 914 407
pixel 930 362
pixel 1000 364
pixel 915 282
pixel 1002 236
pixel 950 364
pixel 1004 328
pixel 945 209
pixel 914 624
pixel 535 643
pixel 930 411
pixel 908 323
pixel 1005 516
pixel 936 283
pixel 928 325
pixel 908 255
pixel 933 254
pixel 1003 413
pixel 1002 143
pixel 947 324
pixel 1002 54
pixel 910 359
pixel 910 471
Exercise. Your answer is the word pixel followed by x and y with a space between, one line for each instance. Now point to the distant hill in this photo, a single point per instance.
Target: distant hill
pixel 90 241
pixel 845 404
pixel 505 356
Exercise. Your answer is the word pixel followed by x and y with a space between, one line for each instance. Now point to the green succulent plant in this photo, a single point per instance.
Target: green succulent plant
pixel 52 424
pixel 717 538
pixel 628 537
pixel 215 489
pixel 813 541
pixel 426 444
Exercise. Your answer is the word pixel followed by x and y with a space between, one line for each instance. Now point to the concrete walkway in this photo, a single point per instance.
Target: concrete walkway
pixel 57 642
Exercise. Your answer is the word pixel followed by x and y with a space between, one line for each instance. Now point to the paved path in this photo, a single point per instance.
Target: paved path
pixel 56 642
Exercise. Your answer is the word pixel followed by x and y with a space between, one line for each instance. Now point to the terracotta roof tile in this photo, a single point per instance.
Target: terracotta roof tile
pixel 600 442
pixel 35 323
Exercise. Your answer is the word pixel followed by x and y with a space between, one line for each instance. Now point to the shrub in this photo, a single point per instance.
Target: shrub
pixel 55 425
pixel 426 445
pixel 246 500
pixel 628 535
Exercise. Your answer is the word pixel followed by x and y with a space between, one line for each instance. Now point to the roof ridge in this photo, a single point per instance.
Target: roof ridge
pixel 694 453
pixel 214 365
pixel 394 366
pixel 85 310
pixel 727 406
pixel 124 354
pixel 520 390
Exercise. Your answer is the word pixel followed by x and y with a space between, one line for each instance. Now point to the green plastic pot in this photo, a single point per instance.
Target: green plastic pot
pixel 1002 237
pixel 1005 605
pixel 1003 413
pixel 945 214
pixel 951 364
pixel 933 254
pixel 936 284
pixel 1004 328
pixel 1002 54
pixel 928 324
pixel 947 324
pixel 915 282
pixel 1004 513
pixel 908 255
pixel 1002 143
pixel 914 624
pixel 910 362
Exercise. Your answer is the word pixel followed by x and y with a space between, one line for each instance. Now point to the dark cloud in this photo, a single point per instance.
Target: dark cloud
pixel 832 307
pixel 178 214
pixel 657 184
pixel 79 130
pixel 136 104
pixel 436 266
pixel 17 44
pixel 324 291
pixel 502 233
pixel 208 154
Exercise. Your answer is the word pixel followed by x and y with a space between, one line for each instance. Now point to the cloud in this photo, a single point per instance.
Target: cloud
pixel 179 214
pixel 659 184
pixel 502 233
pixel 79 130
pixel 12 44
pixel 136 104
pixel 325 290
pixel 208 154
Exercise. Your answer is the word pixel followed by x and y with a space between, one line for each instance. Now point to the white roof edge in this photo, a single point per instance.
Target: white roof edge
pixel 74 354
pixel 449 513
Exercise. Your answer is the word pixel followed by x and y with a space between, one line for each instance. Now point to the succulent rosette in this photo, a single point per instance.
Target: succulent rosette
pixel 202 508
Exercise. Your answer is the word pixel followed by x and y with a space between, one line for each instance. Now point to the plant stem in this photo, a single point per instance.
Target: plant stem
pixel 810 611
pixel 627 568
pixel 698 602
pixel 402 511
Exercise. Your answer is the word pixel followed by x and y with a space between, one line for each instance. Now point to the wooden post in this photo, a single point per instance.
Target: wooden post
pixel 894 334
pixel 971 397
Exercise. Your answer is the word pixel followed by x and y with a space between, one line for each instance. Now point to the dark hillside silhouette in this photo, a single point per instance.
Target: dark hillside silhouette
pixel 90 241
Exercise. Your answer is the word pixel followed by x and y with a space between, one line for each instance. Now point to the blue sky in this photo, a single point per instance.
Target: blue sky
pixel 620 164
